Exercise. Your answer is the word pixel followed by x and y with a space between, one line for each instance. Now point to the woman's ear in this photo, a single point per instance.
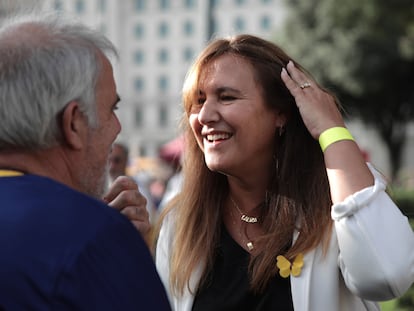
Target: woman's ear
pixel 74 126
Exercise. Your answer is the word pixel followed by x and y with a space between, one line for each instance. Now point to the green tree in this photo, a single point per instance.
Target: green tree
pixel 363 50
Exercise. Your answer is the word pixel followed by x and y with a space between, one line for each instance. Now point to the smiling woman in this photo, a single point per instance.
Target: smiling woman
pixel 278 209
pixel 224 120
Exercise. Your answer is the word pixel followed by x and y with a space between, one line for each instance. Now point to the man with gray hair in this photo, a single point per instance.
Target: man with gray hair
pixel 62 247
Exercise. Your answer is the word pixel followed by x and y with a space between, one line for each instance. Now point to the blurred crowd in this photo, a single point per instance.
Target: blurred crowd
pixel 158 178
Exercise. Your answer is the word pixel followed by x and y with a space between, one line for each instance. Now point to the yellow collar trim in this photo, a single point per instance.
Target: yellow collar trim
pixel 9 173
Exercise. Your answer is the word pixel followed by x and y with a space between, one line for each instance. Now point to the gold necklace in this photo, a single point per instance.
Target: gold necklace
pixel 249 243
pixel 244 217
pixel 245 236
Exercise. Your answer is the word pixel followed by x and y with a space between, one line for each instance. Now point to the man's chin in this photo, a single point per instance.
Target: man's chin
pixel 95 186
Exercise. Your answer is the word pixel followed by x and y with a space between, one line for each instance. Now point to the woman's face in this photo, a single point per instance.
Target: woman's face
pixel 233 126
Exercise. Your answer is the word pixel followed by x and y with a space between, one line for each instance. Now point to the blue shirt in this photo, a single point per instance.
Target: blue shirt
pixel 63 250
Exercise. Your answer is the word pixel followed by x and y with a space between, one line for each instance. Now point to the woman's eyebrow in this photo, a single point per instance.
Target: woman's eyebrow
pixel 227 89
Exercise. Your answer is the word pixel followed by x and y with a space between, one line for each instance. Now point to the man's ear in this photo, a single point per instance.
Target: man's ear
pixel 74 126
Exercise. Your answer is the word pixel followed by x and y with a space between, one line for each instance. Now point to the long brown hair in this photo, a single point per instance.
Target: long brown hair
pixel 298 196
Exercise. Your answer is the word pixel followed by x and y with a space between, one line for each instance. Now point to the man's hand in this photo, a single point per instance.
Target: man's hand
pixel 124 195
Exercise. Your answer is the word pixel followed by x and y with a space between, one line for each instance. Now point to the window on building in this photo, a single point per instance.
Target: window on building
pixel 215 3
pixel 140 5
pixel 139 116
pixel 189 4
pixel 188 54
pixel 142 150
pixel 267 1
pixel 162 116
pixel 163 83
pixel 163 56
pixel 102 6
pixel 164 4
pixel 138 57
pixel 80 6
pixel 214 26
pixel 265 23
pixel 240 2
pixel 139 84
pixel 188 28
pixel 239 24
pixel 58 5
pixel 163 29
pixel 139 31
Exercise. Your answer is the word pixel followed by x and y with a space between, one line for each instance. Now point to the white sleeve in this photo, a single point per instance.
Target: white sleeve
pixel 183 302
pixel 376 243
pixel 163 254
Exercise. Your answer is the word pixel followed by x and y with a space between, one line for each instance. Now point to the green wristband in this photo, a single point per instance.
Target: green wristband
pixel 332 135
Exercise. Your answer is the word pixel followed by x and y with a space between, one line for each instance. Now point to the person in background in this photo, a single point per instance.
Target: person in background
pixel 118 166
pixel 172 154
pixel 62 247
pixel 278 208
pixel 118 161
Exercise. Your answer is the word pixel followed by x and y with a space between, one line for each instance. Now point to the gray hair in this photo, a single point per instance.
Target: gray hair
pixel 46 61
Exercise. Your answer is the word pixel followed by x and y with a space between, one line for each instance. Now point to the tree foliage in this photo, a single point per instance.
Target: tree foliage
pixel 364 51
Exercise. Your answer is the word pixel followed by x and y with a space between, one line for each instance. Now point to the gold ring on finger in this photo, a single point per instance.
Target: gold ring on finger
pixel 305 85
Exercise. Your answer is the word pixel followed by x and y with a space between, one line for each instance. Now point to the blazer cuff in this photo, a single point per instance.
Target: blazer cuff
pixel 359 199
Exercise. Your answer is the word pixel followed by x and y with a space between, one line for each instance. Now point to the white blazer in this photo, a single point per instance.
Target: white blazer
pixel 370 257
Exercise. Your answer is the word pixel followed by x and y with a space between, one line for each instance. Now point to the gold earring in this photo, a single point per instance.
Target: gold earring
pixel 281 130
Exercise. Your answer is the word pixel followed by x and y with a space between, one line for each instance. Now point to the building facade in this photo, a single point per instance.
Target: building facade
pixel 157 41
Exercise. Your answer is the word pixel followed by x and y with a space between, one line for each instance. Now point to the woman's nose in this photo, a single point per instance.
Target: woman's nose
pixel 209 112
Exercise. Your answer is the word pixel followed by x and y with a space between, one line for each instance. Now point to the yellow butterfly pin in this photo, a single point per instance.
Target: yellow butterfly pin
pixel 287 268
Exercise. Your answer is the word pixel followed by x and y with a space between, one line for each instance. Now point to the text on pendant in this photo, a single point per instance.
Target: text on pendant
pixel 248 219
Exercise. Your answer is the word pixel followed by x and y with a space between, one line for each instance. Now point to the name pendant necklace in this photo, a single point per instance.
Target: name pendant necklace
pixel 246 220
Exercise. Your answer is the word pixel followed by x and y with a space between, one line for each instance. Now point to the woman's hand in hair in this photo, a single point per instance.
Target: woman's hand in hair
pixel 317 107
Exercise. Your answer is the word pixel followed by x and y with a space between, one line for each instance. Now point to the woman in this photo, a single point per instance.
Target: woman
pixel 268 217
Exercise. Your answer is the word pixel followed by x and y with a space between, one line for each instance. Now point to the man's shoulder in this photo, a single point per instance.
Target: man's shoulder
pixel 52 209
pixel 73 246
pixel 46 193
